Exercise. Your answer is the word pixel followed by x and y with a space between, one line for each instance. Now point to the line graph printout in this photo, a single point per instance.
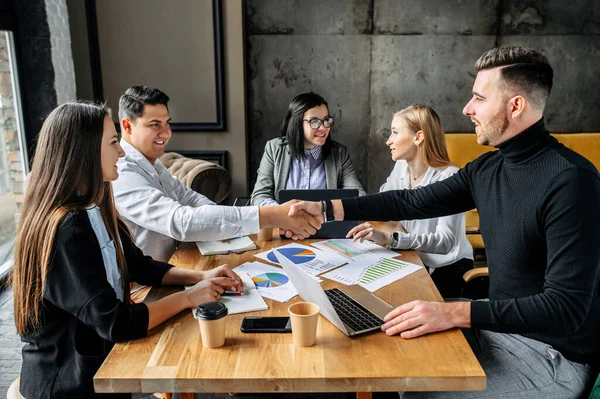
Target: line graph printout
pixel 354 251
pixel 372 272
pixel 311 260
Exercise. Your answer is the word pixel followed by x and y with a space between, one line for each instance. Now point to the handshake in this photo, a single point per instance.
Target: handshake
pixel 296 219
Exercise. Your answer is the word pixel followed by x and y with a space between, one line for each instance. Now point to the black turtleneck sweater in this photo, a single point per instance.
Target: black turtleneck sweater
pixel 539 209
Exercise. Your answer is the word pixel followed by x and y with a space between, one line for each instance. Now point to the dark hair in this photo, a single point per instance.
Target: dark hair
pixel 66 176
pixel 131 104
pixel 292 131
pixel 524 69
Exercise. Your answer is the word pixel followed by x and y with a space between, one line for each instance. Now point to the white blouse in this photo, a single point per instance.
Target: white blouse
pixel 109 252
pixel 438 241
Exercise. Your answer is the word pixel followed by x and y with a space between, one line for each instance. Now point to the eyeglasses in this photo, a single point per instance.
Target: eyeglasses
pixel 316 123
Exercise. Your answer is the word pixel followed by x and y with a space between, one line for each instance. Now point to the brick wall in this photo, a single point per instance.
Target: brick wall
pixel 11 160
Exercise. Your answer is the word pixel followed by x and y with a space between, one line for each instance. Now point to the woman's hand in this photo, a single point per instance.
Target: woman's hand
pixel 366 231
pixel 207 290
pixel 225 271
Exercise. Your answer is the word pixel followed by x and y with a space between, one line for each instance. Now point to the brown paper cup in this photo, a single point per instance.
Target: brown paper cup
pixel 304 317
pixel 212 332
pixel 265 234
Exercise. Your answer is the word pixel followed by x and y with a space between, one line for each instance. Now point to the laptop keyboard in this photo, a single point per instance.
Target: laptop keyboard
pixel 352 313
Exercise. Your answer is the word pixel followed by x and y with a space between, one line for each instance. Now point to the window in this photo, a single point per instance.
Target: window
pixel 13 153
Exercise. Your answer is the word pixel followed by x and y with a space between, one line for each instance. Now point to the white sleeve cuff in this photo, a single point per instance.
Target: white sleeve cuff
pixel 250 219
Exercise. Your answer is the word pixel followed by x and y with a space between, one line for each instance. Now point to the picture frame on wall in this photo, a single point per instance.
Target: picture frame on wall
pixel 176 47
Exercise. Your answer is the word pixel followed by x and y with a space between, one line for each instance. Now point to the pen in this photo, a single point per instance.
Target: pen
pixel 231 293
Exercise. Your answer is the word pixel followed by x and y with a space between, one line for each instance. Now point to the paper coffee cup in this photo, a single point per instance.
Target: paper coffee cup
pixel 304 317
pixel 211 317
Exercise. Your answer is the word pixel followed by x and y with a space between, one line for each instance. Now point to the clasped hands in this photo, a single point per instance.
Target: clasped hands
pixel 298 223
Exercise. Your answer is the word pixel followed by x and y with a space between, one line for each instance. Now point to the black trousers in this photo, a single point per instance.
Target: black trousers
pixel 449 279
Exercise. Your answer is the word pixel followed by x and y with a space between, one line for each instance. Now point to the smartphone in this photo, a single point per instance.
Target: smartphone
pixel 260 324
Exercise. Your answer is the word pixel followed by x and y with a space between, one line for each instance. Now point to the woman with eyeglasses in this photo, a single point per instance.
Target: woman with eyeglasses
pixel 304 156
pixel 418 145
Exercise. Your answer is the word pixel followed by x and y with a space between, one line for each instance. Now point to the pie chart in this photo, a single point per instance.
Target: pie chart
pixel 268 280
pixel 295 254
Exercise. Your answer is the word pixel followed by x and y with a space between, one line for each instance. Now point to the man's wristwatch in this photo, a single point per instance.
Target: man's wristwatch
pixel 327 209
pixel 395 239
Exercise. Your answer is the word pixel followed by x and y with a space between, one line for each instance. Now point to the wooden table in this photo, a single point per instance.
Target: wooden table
pixel 172 358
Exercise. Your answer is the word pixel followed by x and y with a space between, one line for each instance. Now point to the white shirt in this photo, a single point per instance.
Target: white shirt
pixel 109 252
pixel 160 210
pixel 439 241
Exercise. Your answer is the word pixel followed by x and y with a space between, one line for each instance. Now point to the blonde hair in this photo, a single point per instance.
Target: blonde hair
pixel 424 118
pixel 66 176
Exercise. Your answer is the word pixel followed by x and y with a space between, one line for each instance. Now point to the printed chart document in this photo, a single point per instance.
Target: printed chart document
pixel 249 302
pixel 311 260
pixel 236 245
pixel 270 281
pixel 372 272
pixel 354 251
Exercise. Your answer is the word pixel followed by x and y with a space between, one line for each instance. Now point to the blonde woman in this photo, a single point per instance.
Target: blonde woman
pixel 74 259
pixel 418 146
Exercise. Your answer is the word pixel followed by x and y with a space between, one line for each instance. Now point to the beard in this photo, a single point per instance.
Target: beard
pixel 492 132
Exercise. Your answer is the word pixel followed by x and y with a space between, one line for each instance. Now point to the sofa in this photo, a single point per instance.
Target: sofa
pixel 207 178
pixel 463 148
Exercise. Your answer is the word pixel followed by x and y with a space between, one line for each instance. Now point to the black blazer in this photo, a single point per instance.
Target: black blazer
pixel 81 316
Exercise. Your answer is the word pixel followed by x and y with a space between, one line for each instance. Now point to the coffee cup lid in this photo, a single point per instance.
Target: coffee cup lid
pixel 210 311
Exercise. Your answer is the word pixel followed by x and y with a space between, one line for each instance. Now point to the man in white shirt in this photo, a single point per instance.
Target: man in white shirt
pixel 157 207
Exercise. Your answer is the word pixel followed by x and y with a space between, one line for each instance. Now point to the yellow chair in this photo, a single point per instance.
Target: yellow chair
pixel 463 148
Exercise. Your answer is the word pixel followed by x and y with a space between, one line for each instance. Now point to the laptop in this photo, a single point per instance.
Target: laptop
pixel 352 309
pixel 337 229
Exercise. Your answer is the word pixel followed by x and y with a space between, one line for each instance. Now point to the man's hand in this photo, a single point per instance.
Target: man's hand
pixel 366 231
pixel 310 207
pixel 417 318
pixel 225 271
pixel 301 225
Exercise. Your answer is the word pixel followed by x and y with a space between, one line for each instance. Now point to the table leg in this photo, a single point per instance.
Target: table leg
pixel 364 395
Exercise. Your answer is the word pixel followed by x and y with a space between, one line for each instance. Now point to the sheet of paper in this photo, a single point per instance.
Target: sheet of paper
pixel 249 302
pixel 270 281
pixel 354 251
pixel 311 260
pixel 372 272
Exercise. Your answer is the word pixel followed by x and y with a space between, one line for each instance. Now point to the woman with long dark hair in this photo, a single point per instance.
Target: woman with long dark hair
pixel 304 156
pixel 74 259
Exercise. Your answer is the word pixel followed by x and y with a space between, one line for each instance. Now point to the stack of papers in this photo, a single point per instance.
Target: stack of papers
pixel 312 261
pixel 236 245
pixel 354 251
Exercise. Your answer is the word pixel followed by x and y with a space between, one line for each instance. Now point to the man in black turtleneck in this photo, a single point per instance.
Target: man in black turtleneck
pixel 539 208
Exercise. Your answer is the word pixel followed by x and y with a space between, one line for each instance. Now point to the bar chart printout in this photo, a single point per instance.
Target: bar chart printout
pixel 373 272
pixel 380 270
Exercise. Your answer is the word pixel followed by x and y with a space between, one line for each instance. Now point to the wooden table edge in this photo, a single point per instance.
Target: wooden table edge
pixel 309 385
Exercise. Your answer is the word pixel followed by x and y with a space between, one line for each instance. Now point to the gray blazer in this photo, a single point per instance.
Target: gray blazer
pixel 275 167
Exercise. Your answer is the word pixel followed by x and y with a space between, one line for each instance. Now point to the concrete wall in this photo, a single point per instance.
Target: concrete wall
pixel 370 58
